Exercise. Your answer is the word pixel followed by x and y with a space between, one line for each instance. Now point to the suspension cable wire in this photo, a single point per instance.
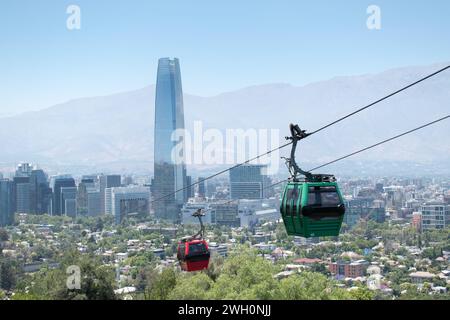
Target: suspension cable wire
pixel 344 157
pixel 381 99
pixel 221 172
pixel 382 142
pixel 314 132
pixel 263 188
pixel 234 200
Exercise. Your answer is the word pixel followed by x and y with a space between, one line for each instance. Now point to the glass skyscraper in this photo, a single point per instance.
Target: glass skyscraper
pixel 59 183
pixel 247 182
pixel 169 173
pixel 6 203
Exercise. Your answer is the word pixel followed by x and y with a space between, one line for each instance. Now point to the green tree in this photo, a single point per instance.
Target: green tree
pixel 8 275
pixel 51 284
pixel 3 235
pixel 310 286
pixel 245 276
pixel 191 287
pixel 160 285
pixel 362 294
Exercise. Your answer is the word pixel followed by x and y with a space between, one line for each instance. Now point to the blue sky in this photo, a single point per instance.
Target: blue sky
pixel 223 45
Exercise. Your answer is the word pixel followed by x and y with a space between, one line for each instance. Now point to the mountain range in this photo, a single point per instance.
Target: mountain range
pixel 115 132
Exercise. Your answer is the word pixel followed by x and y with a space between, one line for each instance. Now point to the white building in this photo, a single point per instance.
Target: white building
pixel 191 207
pixel 108 201
pixel 268 215
pixel 253 211
pixel 218 249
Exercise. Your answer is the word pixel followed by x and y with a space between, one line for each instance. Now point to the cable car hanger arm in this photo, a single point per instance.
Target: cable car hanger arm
pixel 297 134
pixel 199 214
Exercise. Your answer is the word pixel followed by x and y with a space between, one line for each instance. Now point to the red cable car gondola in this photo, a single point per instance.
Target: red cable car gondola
pixel 193 252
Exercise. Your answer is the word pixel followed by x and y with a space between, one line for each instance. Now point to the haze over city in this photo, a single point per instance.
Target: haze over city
pixel 224 151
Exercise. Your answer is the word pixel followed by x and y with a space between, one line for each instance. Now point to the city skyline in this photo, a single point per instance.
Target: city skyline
pixel 127 148
pixel 224 151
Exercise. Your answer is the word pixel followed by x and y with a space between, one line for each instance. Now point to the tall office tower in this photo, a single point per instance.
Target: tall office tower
pixel 6 202
pixel 58 183
pixel 22 188
pixel 82 198
pixel 247 182
pixel 201 187
pixel 24 170
pixel 22 192
pixel 40 192
pixel 169 173
pixel 107 181
pixel 68 201
pixel 190 188
pixel 94 202
pixel 108 201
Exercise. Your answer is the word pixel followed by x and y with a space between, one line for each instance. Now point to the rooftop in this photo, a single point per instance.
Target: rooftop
pixel 422 274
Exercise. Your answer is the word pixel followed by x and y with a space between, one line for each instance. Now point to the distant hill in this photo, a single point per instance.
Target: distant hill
pixel 116 132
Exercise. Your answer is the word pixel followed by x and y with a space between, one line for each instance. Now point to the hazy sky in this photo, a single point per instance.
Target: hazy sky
pixel 223 45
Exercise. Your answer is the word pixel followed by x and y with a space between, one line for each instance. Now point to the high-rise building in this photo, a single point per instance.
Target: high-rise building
pixel 108 201
pixel 31 189
pixel 108 181
pixel 435 215
pixel 68 201
pixel 131 200
pixel 201 187
pixel 169 173
pixel 190 189
pixel 6 202
pixel 40 192
pixel 247 182
pixel 82 194
pixel 22 188
pixel 24 170
pixel 70 207
pixel 58 183
pixel 22 192
pixel 94 202
pixel 225 214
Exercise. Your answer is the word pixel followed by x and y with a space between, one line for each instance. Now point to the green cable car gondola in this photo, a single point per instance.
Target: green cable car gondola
pixel 311 206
